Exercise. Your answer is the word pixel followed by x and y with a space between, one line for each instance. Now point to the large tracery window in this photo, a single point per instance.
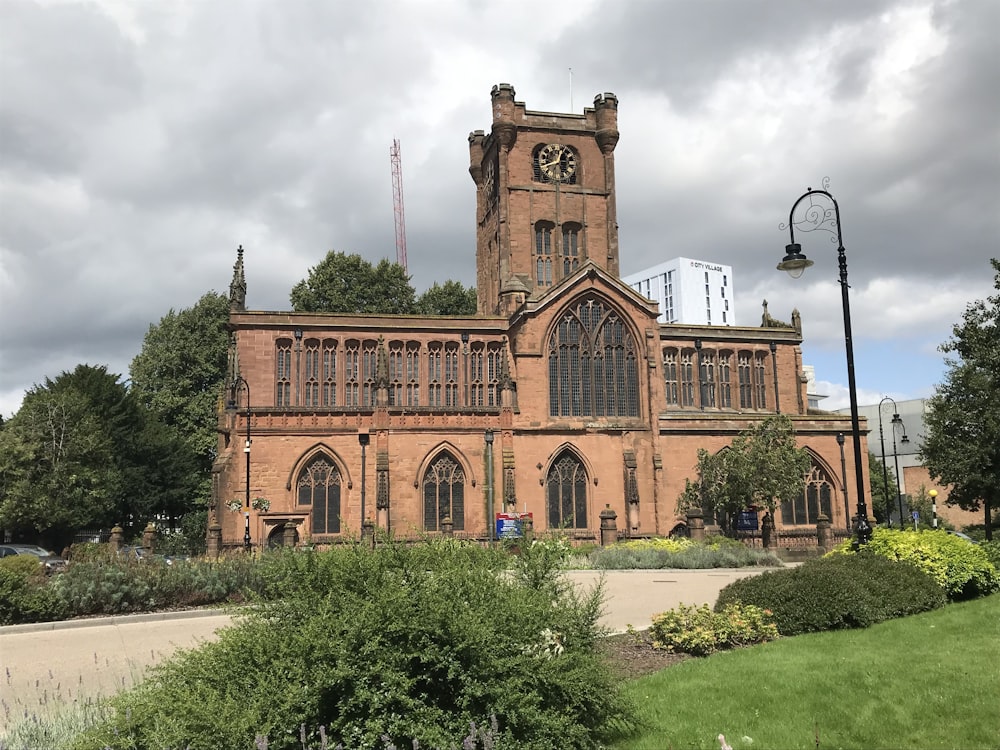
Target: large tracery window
pixel 592 364
pixel 444 493
pixel 566 493
pixel 318 487
pixel 815 498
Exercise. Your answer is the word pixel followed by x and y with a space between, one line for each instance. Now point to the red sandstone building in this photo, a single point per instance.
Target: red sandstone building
pixel 562 397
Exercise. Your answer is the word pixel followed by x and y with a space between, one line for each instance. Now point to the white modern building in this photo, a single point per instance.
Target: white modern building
pixel 688 291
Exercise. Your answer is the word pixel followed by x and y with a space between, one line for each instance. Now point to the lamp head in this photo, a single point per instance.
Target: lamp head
pixel 933 494
pixel 489 436
pixel 794 262
pixel 904 439
pixel 363 439
pixel 840 439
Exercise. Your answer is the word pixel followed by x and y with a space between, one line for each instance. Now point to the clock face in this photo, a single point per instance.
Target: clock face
pixel 557 162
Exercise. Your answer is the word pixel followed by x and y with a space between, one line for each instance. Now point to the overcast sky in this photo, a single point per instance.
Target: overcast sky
pixel 141 141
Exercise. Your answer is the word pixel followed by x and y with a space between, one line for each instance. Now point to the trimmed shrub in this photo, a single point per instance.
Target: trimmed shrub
pixel 681 553
pixel 992 550
pixel 837 591
pixel 700 631
pixel 118 586
pixel 384 646
pixel 962 569
pixel 25 595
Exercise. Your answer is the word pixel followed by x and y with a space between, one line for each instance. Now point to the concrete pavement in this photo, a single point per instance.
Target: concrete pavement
pixel 53 664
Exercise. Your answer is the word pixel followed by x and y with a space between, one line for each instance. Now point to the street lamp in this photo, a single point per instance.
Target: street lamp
pixel 240 382
pixel 488 437
pixel 843 480
pixel 933 494
pixel 363 440
pixel 818 215
pixel 896 422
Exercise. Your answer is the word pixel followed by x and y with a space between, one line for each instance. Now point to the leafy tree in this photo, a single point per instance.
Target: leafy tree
pixel 882 494
pixel 962 444
pixel 450 298
pixel 83 452
pixel 179 376
pixel 761 468
pixel 58 469
pixel 344 283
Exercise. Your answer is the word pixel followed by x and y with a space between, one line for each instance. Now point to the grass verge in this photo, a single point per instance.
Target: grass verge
pixel 927 681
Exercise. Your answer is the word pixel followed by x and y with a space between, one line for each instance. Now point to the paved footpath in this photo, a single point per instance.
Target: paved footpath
pixel 52 664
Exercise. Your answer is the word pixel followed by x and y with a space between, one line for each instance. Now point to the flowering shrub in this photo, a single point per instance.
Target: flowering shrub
pixel 700 631
pixel 962 569
pixel 235 505
pixel 665 544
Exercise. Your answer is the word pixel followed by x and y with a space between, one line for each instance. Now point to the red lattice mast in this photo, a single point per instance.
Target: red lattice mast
pixel 397 203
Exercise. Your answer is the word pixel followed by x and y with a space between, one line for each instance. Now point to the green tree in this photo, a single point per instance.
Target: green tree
pixel 882 495
pixel 962 442
pixel 762 467
pixel 450 298
pixel 179 376
pixel 344 283
pixel 58 469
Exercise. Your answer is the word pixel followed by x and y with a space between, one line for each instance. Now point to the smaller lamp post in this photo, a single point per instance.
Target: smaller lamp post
pixel 240 382
pixel 843 480
pixel 898 422
pixel 488 437
pixel 363 440
pixel 933 494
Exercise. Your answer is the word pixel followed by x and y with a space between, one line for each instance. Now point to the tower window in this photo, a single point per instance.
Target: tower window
pixel 571 251
pixel 543 253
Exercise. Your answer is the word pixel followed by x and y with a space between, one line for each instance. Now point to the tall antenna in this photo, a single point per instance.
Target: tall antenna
pixel 397 203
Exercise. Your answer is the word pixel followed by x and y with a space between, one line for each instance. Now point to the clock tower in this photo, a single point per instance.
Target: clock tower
pixel 546 198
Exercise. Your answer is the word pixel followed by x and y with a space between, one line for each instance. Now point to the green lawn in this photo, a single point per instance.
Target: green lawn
pixel 922 682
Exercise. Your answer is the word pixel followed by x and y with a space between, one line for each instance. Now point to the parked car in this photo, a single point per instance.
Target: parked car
pixel 52 562
pixel 141 554
pixel 966 537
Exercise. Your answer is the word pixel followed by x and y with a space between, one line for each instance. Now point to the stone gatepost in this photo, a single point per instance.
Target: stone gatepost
pixel 696 524
pixel 767 531
pixel 149 537
pixel 527 526
pixel 368 532
pixel 447 527
pixel 823 536
pixel 214 541
pixel 609 527
pixel 117 538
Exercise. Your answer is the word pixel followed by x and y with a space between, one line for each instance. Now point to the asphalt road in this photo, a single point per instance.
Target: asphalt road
pixel 49 665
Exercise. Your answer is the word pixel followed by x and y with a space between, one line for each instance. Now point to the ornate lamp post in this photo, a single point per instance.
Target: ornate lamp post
pixel 488 437
pixel 363 440
pixel 843 480
pixel 240 382
pixel 896 422
pixel 822 212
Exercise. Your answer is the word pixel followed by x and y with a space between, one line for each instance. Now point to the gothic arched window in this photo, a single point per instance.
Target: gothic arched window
pixel 444 493
pixel 815 498
pixel 543 253
pixel 566 493
pixel 318 487
pixel 592 364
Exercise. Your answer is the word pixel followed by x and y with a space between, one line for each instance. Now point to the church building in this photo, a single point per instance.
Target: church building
pixel 563 396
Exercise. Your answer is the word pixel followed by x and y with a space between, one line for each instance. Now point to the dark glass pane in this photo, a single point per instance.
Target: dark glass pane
pixel 553 502
pixel 580 490
pixel 800 509
pixel 458 505
pixel 305 494
pixel 786 512
pixel 824 499
pixel 430 506
pixel 813 503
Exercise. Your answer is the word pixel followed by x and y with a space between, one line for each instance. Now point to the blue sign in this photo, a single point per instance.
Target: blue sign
pixel 747 520
pixel 511 525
